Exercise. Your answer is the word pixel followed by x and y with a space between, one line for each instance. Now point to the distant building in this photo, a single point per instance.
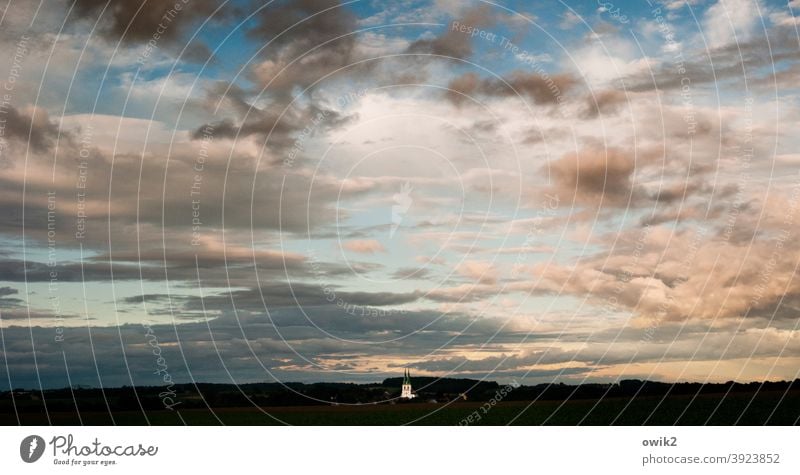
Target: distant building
pixel 407 393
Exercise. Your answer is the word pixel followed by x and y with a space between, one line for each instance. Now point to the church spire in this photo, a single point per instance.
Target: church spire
pixel 406 392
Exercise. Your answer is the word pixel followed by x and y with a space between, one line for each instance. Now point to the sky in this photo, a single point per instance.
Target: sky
pixel 305 190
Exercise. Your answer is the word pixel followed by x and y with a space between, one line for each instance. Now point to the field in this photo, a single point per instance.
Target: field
pixel 773 408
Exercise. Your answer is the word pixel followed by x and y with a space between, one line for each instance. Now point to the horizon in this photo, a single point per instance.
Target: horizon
pixel 325 191
pixel 400 378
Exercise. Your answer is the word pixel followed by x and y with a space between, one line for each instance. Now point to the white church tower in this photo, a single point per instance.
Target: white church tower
pixel 406 393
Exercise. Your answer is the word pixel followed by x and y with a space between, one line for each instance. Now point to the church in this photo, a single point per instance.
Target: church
pixel 406 392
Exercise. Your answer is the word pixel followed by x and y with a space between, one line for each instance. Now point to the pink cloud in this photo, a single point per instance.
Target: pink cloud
pixel 364 246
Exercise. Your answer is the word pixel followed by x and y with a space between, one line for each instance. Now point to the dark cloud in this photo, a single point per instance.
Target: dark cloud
pixel 146 298
pixel 462 293
pixel 538 88
pixel 31 126
pixel 319 32
pixel 137 21
pixel 280 199
pixel 10 307
pixel 411 273
pixel 681 191
pixel 304 41
pixel 277 126
pixel 17 314
pixel 6 291
pixel 538 135
pixel 455 43
pixel 594 174
pixel 13 270
pixel 288 347
pixel 302 24
pixel 308 40
pixel 274 295
pixel 604 103
pixel 210 267
pixel 13 310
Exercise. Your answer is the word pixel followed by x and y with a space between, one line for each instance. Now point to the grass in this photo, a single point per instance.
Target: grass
pixel 776 408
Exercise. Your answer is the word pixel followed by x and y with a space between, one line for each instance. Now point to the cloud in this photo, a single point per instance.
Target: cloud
pixel 262 298
pixel 463 293
pixel 604 103
pixel 275 295
pixel 31 126
pixel 784 18
pixel 364 246
pixel 730 21
pixel 724 64
pixel 669 346
pixel 290 347
pixel 6 291
pixel 164 21
pixel 303 24
pixel 693 274
pixel 678 4
pixel 306 40
pixel 287 347
pixel 277 124
pixel 13 270
pixel 247 198
pixel 411 273
pixel 539 88
pixel 594 175
pixel 569 20
pixel 13 310
pixel 14 315
pixel 479 271
pixel 454 43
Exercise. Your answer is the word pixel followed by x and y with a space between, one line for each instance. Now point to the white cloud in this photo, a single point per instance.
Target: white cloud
pixel 783 18
pixel 569 20
pixel 729 21
pixel 677 4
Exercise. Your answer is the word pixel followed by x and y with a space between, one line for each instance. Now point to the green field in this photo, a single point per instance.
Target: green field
pixel 774 408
